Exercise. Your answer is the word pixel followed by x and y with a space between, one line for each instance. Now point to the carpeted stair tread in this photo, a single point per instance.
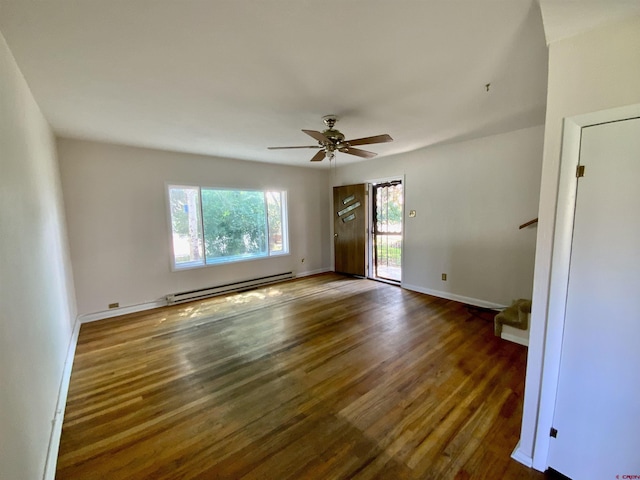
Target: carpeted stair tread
pixel 517 316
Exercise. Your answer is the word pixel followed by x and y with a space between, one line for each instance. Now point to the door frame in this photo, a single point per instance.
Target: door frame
pixel 334 234
pixel 369 245
pixel 370 242
pixel 546 343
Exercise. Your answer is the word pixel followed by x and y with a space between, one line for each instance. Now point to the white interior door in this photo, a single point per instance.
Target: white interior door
pixel 597 413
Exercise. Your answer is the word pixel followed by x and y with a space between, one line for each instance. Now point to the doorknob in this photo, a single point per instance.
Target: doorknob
pixel 335 234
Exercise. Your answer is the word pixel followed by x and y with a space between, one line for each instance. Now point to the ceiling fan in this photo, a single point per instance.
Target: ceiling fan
pixel 331 141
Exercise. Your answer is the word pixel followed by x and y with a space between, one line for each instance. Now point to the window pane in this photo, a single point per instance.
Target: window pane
pixel 186 226
pixel 234 224
pixel 277 240
pixel 389 208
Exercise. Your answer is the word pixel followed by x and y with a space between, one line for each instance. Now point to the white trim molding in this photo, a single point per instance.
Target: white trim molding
pixel 521 457
pixel 546 340
pixel 514 338
pixel 116 312
pixel 58 417
pixel 452 296
pixel 312 272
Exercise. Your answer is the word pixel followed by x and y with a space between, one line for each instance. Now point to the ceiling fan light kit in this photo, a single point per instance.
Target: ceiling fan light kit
pixel 331 141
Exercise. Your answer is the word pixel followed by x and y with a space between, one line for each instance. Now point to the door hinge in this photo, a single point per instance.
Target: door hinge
pixel 580 171
pixel 553 432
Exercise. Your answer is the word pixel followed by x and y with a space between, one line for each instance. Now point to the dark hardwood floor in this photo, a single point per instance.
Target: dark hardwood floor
pixel 325 377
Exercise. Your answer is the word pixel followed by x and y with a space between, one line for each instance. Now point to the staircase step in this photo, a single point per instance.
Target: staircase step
pixel 517 316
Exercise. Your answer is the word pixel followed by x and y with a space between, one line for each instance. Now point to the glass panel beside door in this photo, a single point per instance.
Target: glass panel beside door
pixel 387 231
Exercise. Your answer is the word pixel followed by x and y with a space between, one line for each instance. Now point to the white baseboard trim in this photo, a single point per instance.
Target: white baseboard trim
pixel 521 457
pixel 515 338
pixel 312 272
pixel 56 424
pixel 115 312
pixel 452 296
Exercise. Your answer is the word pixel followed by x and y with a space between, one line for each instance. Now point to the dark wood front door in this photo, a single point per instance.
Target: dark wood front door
pixel 350 229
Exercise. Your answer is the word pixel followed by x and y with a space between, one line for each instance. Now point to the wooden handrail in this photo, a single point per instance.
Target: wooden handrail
pixel 530 222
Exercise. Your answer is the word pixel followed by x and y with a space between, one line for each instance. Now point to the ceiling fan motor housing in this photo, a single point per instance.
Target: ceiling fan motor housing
pixel 331 133
pixel 334 135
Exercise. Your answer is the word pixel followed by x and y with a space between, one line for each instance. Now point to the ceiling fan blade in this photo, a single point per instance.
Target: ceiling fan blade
pixel 318 136
pixel 283 148
pixel 318 157
pixel 369 140
pixel 358 152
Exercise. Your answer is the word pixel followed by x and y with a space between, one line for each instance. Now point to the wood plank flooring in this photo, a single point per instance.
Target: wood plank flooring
pixel 325 377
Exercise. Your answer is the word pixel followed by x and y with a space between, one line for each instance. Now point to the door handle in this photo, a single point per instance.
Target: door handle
pixel 335 235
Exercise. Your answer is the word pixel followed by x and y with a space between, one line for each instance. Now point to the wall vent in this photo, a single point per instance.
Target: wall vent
pixel 191 295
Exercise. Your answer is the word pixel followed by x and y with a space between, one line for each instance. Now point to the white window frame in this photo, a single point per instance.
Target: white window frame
pixel 284 212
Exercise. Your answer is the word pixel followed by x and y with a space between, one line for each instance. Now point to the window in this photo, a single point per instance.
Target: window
pixel 211 225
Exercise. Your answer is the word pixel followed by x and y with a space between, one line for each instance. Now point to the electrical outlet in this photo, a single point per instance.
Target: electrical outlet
pixel 114 305
pixel 444 277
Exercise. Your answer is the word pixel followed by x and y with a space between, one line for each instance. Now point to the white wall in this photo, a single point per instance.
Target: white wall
pixel 118 222
pixel 37 307
pixel 470 198
pixel 593 71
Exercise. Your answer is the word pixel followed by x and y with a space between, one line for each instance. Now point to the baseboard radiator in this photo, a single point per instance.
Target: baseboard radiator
pixel 191 295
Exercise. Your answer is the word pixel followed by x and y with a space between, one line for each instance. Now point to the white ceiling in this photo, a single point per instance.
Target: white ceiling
pixel 565 18
pixel 231 77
